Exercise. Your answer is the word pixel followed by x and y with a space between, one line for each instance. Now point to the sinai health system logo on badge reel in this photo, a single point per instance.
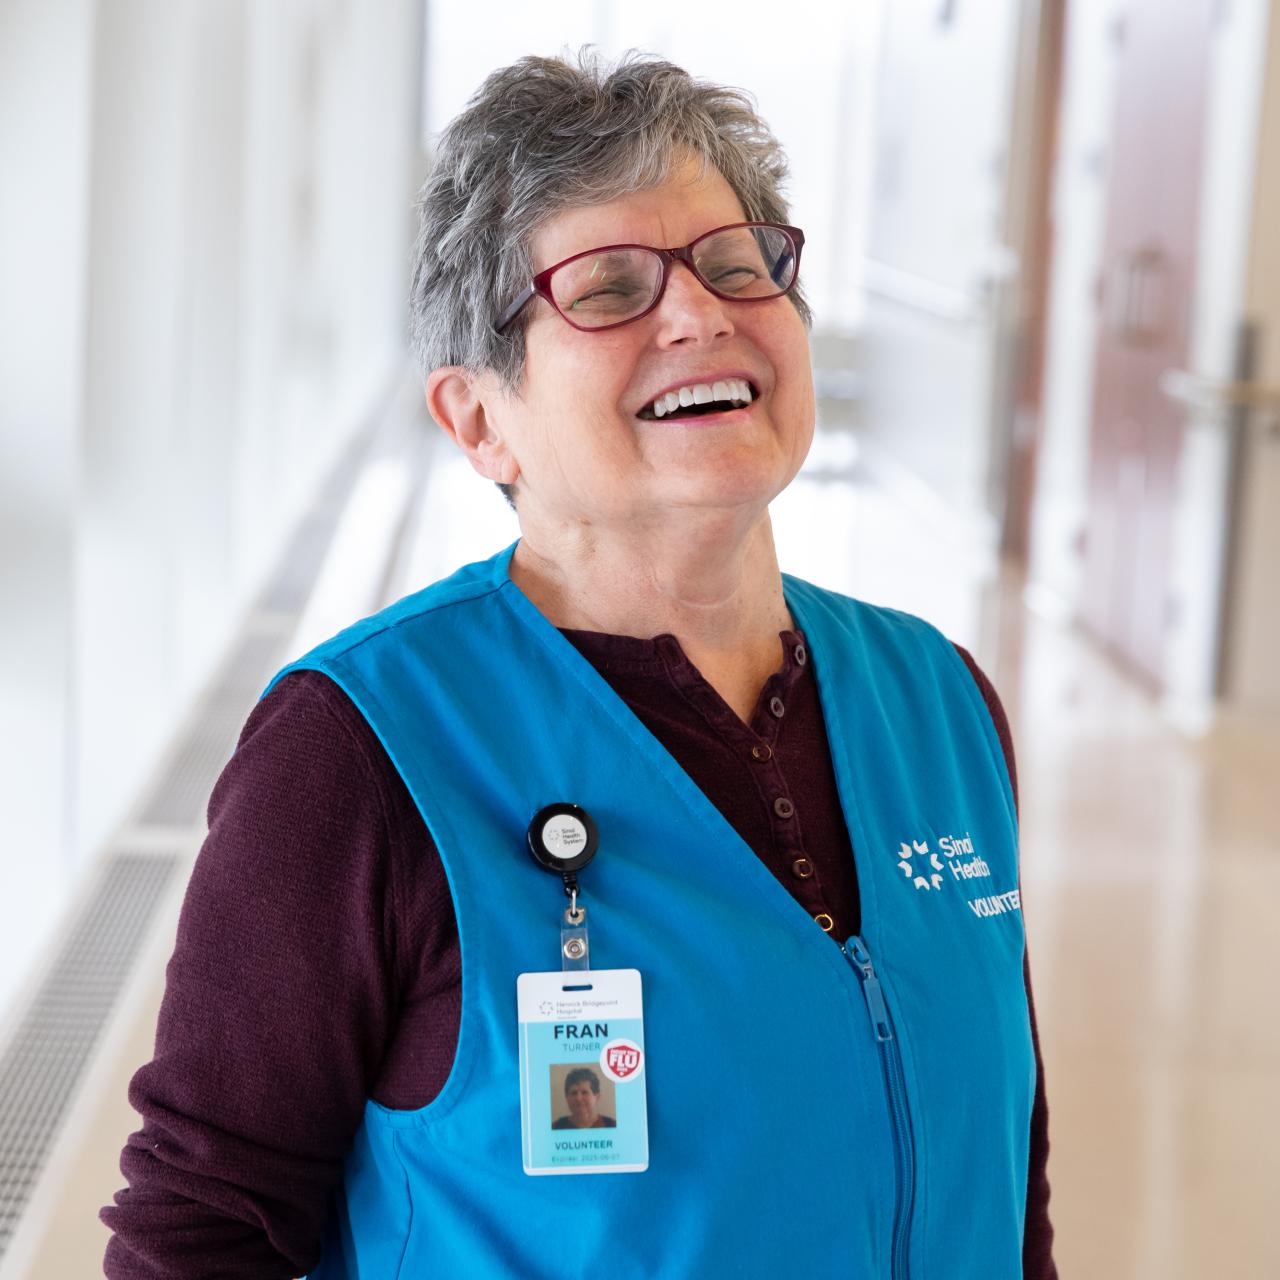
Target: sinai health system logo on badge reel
pixel 622 1060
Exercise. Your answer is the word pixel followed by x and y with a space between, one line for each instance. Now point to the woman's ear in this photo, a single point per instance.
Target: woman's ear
pixel 461 402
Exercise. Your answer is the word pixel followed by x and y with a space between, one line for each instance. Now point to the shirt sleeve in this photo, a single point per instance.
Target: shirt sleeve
pixel 277 1008
pixel 1037 1240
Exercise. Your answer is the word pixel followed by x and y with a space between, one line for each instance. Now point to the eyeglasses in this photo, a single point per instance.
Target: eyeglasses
pixel 618 283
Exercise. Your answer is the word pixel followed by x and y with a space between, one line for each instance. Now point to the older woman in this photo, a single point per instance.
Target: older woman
pixel 807 834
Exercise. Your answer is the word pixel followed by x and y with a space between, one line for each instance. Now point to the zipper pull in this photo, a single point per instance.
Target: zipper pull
pixel 856 951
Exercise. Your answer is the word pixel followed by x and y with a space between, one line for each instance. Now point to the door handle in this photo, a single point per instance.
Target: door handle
pixel 1213 399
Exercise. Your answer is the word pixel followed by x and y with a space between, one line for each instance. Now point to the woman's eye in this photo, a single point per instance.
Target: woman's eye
pixel 734 277
pixel 606 295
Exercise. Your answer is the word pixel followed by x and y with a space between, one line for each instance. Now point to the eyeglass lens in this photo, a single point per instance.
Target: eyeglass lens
pixel 614 285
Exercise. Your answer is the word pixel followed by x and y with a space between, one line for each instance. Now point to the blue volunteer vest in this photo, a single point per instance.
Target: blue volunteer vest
pixel 815 1110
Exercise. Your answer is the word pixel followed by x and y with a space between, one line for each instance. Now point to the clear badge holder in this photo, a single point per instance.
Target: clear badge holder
pixel 575 948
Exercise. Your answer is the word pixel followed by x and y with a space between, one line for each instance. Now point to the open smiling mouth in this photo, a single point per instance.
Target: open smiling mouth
pixel 699 399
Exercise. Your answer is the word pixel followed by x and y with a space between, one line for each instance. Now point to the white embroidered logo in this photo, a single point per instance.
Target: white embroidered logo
pixel 924 868
pixel 905 854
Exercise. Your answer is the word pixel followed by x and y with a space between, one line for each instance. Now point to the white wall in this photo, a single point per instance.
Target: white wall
pixel 211 249
pixel 46 53
pixel 941 278
pixel 128 515
pixel 251 183
pixel 1078 213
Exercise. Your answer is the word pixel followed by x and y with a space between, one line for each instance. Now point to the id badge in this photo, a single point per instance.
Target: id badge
pixel 582 1091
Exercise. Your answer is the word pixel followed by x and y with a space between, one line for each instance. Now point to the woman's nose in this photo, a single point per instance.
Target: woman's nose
pixel 689 310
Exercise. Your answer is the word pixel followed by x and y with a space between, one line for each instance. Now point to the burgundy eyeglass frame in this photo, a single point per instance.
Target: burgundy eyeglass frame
pixel 541 283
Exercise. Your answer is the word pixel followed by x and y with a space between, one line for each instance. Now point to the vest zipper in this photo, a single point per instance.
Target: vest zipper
pixel 859 957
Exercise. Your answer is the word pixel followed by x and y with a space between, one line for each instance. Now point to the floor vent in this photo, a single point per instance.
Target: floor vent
pixel 42 1061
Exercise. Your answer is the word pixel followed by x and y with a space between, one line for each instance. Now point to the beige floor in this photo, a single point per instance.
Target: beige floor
pixel 1151 870
pixel 1151 867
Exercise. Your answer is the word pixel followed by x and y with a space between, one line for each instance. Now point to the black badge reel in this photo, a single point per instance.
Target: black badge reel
pixel 563 839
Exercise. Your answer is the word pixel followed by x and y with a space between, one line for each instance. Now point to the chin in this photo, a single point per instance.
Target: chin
pixel 735 463
pixel 733 482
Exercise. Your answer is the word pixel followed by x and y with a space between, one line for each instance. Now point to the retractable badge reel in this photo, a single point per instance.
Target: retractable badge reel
pixel 582 1055
pixel 563 839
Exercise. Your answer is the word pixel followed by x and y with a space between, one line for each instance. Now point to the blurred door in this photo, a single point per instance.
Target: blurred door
pixel 1148 271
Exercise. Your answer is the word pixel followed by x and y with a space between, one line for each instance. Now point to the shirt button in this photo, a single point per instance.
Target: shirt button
pixel 802 868
pixel 825 922
pixel 802 654
pixel 775 705
pixel 783 807
pixel 762 752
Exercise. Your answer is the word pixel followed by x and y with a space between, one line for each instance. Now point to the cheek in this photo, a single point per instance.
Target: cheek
pixel 802 374
pixel 574 371
pixel 800 360
pixel 784 341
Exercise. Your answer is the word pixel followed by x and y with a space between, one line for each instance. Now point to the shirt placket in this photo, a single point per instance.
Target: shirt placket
pixel 759 744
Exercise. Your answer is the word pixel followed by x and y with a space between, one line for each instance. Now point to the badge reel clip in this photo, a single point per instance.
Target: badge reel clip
pixel 562 840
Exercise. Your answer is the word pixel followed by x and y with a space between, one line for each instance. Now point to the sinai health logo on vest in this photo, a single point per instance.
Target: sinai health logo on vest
pixel 926 870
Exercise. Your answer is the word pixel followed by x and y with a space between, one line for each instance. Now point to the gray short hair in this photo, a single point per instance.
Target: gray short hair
pixel 548 134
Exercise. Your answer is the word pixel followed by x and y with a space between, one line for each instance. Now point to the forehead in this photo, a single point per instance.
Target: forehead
pixel 670 214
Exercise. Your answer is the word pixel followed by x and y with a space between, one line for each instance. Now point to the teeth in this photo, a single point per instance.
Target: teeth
pixel 735 390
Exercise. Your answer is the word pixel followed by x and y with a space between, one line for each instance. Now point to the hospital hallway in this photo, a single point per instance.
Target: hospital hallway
pixel 1148 865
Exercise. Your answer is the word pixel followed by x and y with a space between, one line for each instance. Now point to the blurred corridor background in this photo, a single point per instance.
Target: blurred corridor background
pixel 1043 257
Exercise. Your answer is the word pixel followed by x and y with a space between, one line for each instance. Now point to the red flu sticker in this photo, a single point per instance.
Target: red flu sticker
pixel 622 1060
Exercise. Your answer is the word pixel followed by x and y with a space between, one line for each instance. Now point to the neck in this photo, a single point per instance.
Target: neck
pixel 717 589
